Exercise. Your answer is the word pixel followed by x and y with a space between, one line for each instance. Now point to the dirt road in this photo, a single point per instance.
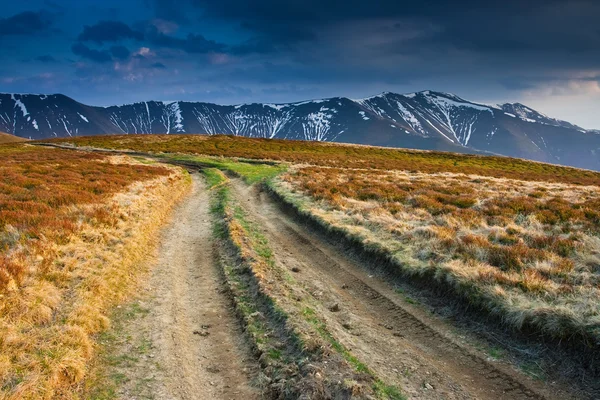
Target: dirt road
pixel 194 348
pixel 402 345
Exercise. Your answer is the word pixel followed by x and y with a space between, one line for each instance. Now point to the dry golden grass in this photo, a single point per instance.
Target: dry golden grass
pixel 74 233
pixel 531 247
pixel 8 138
pixel 519 238
pixel 342 156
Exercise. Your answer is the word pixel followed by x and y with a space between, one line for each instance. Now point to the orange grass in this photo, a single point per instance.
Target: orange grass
pixel 8 138
pixel 345 156
pixel 37 188
pixel 523 236
pixel 74 227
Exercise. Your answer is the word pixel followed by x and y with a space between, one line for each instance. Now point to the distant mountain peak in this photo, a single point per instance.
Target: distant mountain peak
pixel 528 114
pixel 425 120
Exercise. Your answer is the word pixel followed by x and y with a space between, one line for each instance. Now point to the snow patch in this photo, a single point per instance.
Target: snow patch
pixel 409 117
pixel 178 118
pixel 277 107
pixel 318 125
pixel 83 118
pixel 19 103
pixel 446 103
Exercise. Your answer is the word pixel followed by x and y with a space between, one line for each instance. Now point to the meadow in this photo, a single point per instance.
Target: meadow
pixel 527 251
pixel 7 138
pixel 518 239
pixel 73 229
pixel 341 156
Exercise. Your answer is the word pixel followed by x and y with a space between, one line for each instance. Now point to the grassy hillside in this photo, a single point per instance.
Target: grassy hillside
pixel 343 156
pixel 517 238
pixel 73 228
pixel 8 138
pixel 526 251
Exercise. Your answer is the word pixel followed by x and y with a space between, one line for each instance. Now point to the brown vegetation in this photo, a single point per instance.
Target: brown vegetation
pixel 532 246
pixel 342 156
pixel 73 228
pixel 518 238
pixel 8 138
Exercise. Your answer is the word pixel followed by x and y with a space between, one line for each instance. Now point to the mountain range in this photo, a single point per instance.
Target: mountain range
pixel 425 120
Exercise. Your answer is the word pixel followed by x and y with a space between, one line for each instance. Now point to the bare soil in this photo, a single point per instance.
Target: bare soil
pixel 187 344
pixel 401 342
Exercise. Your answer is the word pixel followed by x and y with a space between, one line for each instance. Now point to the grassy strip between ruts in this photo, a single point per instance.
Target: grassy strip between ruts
pixel 299 357
pixel 251 172
pixel 543 322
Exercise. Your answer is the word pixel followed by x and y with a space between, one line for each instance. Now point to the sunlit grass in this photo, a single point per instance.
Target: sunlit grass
pixel 73 228
pixel 344 156
pixel 250 172
pixel 529 251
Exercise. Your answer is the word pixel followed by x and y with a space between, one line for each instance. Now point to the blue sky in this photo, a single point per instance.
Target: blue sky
pixel 545 53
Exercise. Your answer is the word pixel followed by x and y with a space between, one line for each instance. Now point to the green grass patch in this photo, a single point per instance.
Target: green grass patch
pixel 496 353
pixel 250 172
pixel 533 370
pixel 214 177
pixel 110 370
pixel 382 390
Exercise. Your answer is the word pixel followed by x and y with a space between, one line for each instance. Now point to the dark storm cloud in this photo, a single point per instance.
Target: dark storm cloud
pixel 25 23
pixel 99 56
pixel 108 31
pixel 295 49
pixel 192 43
pixel 493 26
pixel 119 52
pixel 46 58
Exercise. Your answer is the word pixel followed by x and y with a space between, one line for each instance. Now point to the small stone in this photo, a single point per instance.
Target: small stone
pixel 428 386
pixel 205 326
pixel 201 333
pixel 295 269
pixel 398 334
pixel 347 325
pixel 334 308
pixel 344 286
pixel 212 369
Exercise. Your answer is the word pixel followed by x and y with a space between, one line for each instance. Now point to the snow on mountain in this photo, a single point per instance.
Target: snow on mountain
pixel 527 114
pixel 423 120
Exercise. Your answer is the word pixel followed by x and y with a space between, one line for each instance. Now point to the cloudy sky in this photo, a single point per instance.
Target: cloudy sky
pixel 544 53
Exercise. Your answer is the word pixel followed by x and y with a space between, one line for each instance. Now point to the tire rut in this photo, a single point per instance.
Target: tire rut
pixel 384 333
pixel 196 347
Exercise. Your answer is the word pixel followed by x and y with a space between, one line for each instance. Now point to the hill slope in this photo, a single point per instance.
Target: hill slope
pixel 425 120
pixel 8 138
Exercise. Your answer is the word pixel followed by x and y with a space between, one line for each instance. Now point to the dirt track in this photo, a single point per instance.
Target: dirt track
pixel 398 342
pixel 197 350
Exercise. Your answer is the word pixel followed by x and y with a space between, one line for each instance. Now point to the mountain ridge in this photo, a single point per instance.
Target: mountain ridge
pixel 428 120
